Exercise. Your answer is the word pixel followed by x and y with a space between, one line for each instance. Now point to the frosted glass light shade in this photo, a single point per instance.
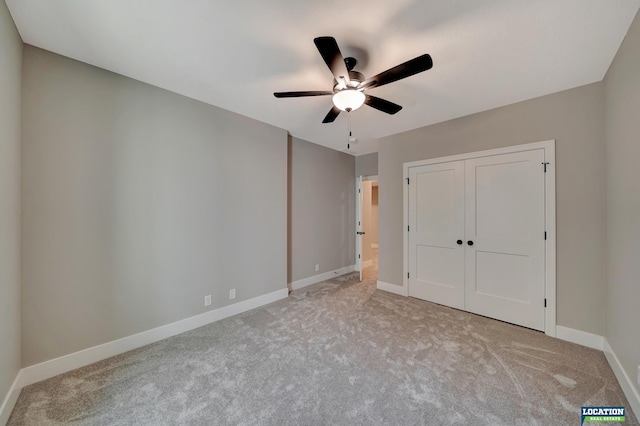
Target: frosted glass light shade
pixel 348 99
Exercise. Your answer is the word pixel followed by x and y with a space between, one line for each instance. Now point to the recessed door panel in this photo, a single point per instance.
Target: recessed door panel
pixel 436 203
pixel 493 270
pixel 501 204
pixel 436 265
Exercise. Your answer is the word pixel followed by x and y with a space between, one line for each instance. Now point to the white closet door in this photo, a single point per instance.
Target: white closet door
pixel 359 226
pixel 436 223
pixel 504 220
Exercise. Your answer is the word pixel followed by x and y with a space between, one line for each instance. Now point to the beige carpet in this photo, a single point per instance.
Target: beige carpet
pixel 338 352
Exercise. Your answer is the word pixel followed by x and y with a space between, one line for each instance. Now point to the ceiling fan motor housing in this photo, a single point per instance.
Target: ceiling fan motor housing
pixel 355 78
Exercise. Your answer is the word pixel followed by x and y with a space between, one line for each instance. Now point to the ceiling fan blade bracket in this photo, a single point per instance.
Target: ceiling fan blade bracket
pixel 367 84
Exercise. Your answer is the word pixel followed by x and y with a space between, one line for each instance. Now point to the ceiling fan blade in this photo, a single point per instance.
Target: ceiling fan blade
pixel 404 70
pixel 330 52
pixel 332 115
pixel 301 94
pixel 382 104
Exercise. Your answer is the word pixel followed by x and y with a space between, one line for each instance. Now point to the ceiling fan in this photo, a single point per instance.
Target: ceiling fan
pixel 349 85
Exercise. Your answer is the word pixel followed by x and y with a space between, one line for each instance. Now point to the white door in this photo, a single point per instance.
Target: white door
pixel 504 232
pixel 359 225
pixel 436 231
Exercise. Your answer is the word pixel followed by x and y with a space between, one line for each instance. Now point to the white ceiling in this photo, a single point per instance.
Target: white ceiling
pixel 235 54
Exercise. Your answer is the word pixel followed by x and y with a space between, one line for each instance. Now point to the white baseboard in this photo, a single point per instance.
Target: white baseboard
pixel 392 288
pixel 583 338
pixel 625 381
pixel 374 245
pixel 602 344
pixel 10 400
pixel 367 263
pixel 63 364
pixel 296 285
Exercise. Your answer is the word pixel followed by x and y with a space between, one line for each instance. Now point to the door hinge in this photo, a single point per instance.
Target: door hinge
pixel 358 190
pixel 545 235
pixel 407 275
pixel 358 256
pixel 407 228
pixel 545 302
pixel 545 167
pixel 407 181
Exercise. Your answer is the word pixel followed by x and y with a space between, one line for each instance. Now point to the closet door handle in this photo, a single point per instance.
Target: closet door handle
pixel 459 242
pixel 470 242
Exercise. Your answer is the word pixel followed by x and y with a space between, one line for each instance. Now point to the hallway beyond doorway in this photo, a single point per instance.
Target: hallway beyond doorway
pixel 370 273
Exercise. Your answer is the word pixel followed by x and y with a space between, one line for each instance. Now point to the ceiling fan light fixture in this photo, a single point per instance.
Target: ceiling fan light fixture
pixel 348 99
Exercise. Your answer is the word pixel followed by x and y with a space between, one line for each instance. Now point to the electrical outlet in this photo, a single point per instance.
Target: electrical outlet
pixel 232 293
pixel 207 300
pixel 317 267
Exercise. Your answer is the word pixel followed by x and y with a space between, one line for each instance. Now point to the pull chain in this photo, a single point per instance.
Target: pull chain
pixel 349 120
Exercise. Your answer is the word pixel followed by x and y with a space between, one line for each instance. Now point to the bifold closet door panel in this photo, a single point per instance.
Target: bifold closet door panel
pixel 436 223
pixel 504 231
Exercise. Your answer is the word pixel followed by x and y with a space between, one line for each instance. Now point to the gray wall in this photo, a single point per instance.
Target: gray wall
pixel 367 165
pixel 322 209
pixel 10 74
pixel 575 119
pixel 622 95
pixel 138 202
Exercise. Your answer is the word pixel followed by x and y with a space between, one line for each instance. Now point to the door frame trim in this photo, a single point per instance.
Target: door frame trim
pixel 360 179
pixel 550 216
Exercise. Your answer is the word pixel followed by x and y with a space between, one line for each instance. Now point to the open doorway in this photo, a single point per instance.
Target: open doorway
pixel 369 237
